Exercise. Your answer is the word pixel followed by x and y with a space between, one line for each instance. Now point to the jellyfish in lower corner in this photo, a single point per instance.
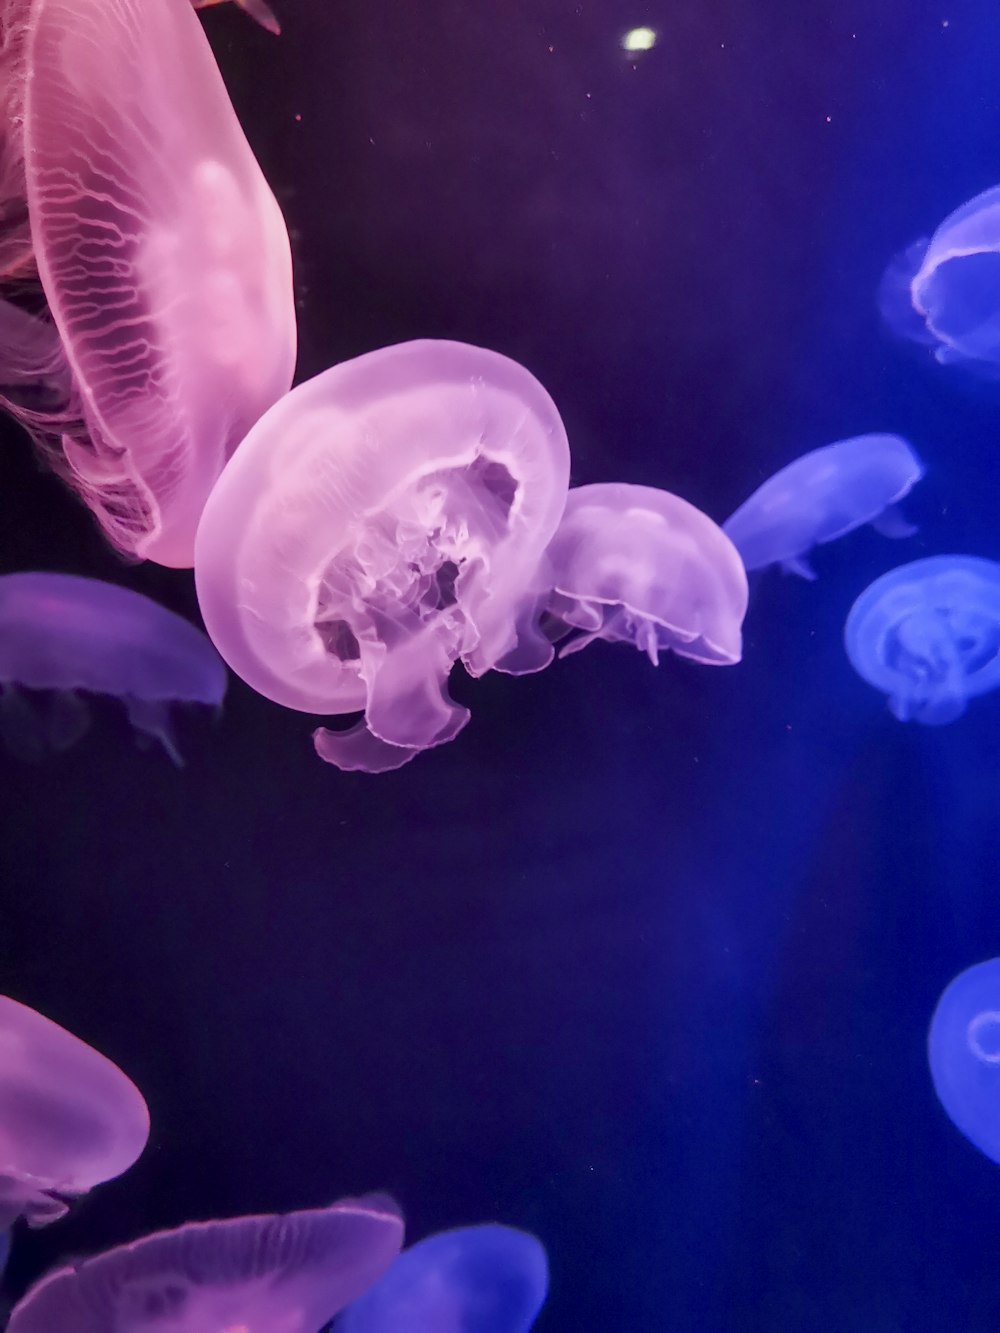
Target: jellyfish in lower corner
pixel 482 1279
pixel 963 1047
pixel 927 635
pixel 277 1273
pixel 822 496
pixel 381 523
pixel 62 636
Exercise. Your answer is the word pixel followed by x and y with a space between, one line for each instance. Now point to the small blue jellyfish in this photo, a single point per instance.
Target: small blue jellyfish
pixel 963 1047
pixel 823 495
pixel 485 1279
pixel 928 635
pixel 944 293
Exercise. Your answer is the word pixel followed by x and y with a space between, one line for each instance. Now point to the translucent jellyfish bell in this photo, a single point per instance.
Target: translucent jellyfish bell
pixel 163 256
pixel 69 1118
pixel 823 495
pixel 287 1273
pixel 381 522
pixel 963 1047
pixel 485 1279
pixel 61 633
pixel 927 635
pixel 637 565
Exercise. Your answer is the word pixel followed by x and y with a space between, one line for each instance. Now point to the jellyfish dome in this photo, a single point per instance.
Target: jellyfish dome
pixel 383 521
pixel 69 1118
pixel 162 253
pixel 963 1047
pixel 638 565
pixel 823 495
pixel 927 635
pixel 279 1273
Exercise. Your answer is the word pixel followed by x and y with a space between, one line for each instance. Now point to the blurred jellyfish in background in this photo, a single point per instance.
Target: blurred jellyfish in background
pixel 61 633
pixel 69 1118
pixel 963 1047
pixel 255 8
pixel 162 253
pixel 631 564
pixel 382 522
pixel 280 1273
pixel 822 496
pixel 927 635
pixel 485 1279
pixel 944 293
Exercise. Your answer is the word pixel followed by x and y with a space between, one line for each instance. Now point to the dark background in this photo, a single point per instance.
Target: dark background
pixel 644 961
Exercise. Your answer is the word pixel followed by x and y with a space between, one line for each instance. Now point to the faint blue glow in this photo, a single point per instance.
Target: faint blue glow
pixel 639 39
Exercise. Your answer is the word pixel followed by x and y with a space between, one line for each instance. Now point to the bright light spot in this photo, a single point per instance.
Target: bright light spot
pixel 639 39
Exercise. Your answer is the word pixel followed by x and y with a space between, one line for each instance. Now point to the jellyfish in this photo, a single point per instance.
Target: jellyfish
pixel 485 1279
pixel 257 9
pixel 63 634
pixel 380 523
pixel 823 495
pixel 927 635
pixel 637 565
pixel 273 1273
pixel 162 253
pixel 963 1047
pixel 944 292
pixel 69 1118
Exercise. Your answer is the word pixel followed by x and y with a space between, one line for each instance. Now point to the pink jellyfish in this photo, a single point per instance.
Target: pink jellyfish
pixel 162 253
pixel 380 523
pixel 69 1118
pixel 286 1273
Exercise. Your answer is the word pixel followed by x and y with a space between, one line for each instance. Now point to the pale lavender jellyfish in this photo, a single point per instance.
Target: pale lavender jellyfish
pixel 927 635
pixel 637 565
pixel 944 292
pixel 257 9
pixel 822 496
pixel 162 253
pixel 64 634
pixel 485 1279
pixel 380 523
pixel 278 1273
pixel 963 1047
pixel 69 1118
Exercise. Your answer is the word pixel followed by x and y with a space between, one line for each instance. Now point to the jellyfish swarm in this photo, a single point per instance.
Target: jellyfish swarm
pixel 62 633
pixel 276 1273
pixel 485 1279
pixel 257 9
pixel 823 495
pixel 945 293
pixel 162 253
pixel 637 565
pixel 927 635
pixel 381 522
pixel 963 1047
pixel 69 1118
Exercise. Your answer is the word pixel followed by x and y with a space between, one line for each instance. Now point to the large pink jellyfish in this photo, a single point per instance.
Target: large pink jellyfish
pixel 286 1273
pixel 69 1118
pixel 380 523
pixel 162 253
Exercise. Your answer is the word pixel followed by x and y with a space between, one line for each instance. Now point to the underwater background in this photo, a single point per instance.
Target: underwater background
pixel 644 962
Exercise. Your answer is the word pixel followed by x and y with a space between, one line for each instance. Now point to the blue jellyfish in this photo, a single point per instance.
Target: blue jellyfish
pixel 62 634
pixel 928 635
pixel 944 293
pixel 823 495
pixel 485 1279
pixel 963 1047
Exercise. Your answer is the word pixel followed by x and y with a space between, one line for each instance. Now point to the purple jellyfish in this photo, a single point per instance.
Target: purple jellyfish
pixel 287 1273
pixel 380 523
pixel 62 633
pixel 162 253
pixel 69 1118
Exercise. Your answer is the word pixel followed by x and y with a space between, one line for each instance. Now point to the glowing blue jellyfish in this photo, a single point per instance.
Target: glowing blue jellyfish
pixel 945 292
pixel 823 495
pixel 486 1279
pixel 963 1047
pixel 928 635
